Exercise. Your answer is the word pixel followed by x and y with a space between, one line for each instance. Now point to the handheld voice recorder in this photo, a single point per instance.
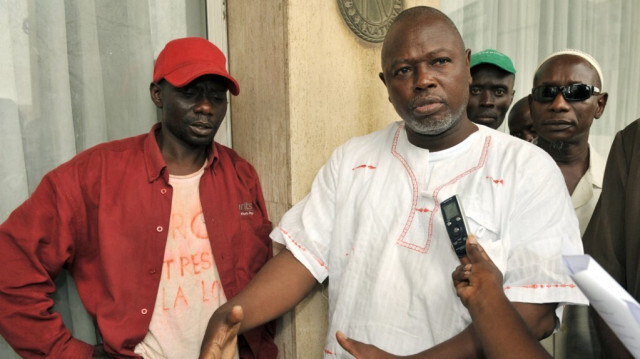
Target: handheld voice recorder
pixel 456 223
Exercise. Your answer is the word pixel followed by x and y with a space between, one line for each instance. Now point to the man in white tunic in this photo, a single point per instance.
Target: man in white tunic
pixel 372 222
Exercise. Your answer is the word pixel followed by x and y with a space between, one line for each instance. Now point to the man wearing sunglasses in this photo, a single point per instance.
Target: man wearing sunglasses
pixel 566 97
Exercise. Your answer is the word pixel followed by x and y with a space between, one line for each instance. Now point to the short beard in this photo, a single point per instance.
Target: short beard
pixel 557 145
pixel 434 127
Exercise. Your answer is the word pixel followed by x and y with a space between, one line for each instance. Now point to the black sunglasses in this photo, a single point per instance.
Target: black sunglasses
pixel 576 92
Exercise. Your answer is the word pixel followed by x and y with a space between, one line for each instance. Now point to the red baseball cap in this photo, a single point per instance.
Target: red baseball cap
pixel 183 60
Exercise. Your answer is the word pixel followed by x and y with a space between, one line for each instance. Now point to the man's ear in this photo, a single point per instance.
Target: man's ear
pixel 156 94
pixel 468 59
pixel 602 103
pixel 381 75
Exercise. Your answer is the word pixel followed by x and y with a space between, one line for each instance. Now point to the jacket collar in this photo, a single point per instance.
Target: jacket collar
pixel 155 163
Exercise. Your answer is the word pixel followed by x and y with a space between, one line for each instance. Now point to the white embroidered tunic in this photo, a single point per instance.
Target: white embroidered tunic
pixel 372 224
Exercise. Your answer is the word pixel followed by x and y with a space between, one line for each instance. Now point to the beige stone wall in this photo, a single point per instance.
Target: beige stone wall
pixel 307 85
pixel 335 90
pixel 260 125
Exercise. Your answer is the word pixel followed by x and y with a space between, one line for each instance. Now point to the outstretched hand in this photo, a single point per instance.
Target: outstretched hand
pixel 221 338
pixel 477 278
pixel 361 350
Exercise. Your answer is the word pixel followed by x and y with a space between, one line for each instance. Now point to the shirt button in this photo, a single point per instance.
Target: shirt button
pixel 144 311
pixel 152 271
pixel 159 228
pixel 163 191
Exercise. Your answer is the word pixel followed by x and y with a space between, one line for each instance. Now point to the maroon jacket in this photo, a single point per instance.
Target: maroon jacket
pixel 104 215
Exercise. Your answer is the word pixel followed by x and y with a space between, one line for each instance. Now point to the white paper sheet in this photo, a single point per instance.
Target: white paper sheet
pixel 614 304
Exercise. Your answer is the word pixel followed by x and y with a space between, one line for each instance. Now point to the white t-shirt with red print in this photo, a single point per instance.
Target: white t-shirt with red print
pixel 190 289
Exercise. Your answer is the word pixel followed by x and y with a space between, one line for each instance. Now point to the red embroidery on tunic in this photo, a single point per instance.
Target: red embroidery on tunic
pixel 414 185
pixel 496 181
pixel 542 286
pixel 364 166
pixel 293 241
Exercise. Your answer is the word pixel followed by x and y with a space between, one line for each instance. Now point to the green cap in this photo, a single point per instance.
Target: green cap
pixel 493 57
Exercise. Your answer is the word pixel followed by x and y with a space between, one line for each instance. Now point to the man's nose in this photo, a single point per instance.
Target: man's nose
pixel 204 105
pixel 425 78
pixel 559 103
pixel 486 98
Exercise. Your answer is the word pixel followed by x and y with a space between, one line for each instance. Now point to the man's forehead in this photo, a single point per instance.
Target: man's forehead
pixel 556 69
pixel 419 36
pixel 579 57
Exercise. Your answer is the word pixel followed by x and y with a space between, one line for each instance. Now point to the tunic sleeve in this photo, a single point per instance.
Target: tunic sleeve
pixel 543 227
pixel 306 229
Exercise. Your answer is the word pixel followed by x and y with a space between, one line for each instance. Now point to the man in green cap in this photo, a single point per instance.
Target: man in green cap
pixel 491 91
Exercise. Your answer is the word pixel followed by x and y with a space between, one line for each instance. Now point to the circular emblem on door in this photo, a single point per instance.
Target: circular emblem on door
pixel 370 19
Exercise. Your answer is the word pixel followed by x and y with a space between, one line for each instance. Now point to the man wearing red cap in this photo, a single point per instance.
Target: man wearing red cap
pixel 158 230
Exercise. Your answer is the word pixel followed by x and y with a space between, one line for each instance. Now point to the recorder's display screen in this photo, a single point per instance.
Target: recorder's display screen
pixel 450 210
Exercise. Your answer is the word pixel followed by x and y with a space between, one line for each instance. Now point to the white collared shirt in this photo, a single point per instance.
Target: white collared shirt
pixel 587 192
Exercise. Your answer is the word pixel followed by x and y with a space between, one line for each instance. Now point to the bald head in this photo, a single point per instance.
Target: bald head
pixel 519 109
pixel 417 17
pixel 520 122
pixel 414 13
